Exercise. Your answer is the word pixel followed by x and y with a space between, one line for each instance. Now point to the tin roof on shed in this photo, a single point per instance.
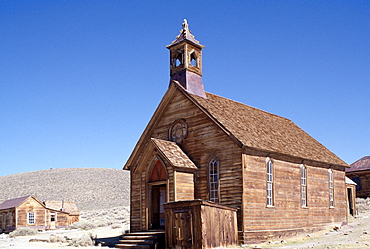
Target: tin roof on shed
pixel 361 164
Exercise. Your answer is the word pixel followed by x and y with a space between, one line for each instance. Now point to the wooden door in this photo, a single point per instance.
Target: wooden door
pixel 52 220
pixel 182 230
pixel 158 198
pixel 350 202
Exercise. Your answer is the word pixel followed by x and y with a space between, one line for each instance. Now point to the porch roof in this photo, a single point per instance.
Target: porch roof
pixel 174 154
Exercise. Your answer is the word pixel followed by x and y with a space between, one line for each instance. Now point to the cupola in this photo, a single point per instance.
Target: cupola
pixel 186 61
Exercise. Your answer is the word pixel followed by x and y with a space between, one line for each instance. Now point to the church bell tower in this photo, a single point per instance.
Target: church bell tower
pixel 186 61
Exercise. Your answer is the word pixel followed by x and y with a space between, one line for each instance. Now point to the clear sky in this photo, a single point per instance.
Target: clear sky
pixel 79 80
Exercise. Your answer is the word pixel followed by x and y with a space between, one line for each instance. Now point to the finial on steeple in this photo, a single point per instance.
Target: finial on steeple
pixel 185 34
pixel 185 25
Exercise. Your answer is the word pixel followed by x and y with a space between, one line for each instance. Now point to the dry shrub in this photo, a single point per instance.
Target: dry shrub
pixel 363 205
pixel 83 224
pixel 57 239
pixel 116 225
pixel 23 231
pixel 83 240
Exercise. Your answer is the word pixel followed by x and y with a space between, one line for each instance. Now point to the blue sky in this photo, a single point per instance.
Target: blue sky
pixel 79 80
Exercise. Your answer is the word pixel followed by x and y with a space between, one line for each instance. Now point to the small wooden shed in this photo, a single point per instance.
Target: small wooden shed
pixel 200 224
pixel 28 211
pixel 360 174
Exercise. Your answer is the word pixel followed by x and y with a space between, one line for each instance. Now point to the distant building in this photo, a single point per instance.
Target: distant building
pixel 206 150
pixel 360 174
pixel 66 206
pixel 28 211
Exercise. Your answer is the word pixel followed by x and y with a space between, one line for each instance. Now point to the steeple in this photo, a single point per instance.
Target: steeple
pixel 186 61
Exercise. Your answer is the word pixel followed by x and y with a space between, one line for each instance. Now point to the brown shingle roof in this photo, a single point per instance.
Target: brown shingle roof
pixel 66 206
pixel 258 129
pixel 12 203
pixel 174 154
pixel 361 164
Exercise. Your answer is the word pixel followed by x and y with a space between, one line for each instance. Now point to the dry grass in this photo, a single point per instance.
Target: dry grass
pixel 89 188
pixel 117 217
pixel 363 205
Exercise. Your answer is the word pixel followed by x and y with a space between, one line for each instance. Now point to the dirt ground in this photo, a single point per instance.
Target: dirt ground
pixel 354 235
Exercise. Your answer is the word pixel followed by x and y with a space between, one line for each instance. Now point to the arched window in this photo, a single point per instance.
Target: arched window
pixel 303 185
pixel 213 179
pixel 270 183
pixel 158 172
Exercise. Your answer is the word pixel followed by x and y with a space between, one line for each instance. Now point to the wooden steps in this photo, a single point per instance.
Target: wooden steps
pixel 142 240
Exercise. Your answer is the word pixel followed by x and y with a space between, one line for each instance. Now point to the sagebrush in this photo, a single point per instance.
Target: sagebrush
pixel 23 231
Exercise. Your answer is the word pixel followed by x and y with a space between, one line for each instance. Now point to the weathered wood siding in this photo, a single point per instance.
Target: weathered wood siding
pixel 287 216
pixel 363 181
pixel 136 197
pixel 199 224
pixel 31 206
pixel 184 183
pixel 7 220
pixel 204 141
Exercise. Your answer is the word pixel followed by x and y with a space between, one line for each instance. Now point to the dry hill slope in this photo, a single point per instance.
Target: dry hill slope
pixel 90 188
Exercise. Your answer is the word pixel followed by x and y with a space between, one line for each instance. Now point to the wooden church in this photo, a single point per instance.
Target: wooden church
pixel 211 171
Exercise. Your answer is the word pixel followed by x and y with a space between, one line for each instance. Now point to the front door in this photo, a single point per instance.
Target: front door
pixel 158 198
pixel 52 220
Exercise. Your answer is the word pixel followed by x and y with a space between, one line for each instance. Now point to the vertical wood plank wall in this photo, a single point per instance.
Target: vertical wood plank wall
pixel 184 186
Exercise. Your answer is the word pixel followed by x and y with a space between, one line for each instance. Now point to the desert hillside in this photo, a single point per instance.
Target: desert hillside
pixel 90 188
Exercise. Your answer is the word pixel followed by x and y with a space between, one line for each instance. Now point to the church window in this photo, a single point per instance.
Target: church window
pixel 331 188
pixel 213 180
pixel 304 186
pixel 158 172
pixel 178 131
pixel 270 183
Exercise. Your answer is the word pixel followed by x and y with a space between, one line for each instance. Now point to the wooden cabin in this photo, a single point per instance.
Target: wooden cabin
pixel 360 174
pixel 29 212
pixel 199 146
pixel 66 206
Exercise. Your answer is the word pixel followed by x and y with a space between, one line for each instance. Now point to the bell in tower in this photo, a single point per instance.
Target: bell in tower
pixel 186 61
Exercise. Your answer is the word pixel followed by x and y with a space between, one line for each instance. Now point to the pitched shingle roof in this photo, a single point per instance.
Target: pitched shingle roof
pixel 261 130
pixel 12 203
pixel 361 164
pixel 174 154
pixel 66 206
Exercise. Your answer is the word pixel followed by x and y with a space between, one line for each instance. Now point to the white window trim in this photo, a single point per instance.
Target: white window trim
pixel 33 218
pixel 269 183
pixel 331 189
pixel 214 193
pixel 303 186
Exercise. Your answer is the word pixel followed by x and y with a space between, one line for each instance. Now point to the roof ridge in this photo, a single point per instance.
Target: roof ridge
pixel 241 103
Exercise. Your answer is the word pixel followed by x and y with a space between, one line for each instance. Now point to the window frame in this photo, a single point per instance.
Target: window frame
pixel 304 186
pixel 31 218
pixel 331 188
pixel 214 185
pixel 270 202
